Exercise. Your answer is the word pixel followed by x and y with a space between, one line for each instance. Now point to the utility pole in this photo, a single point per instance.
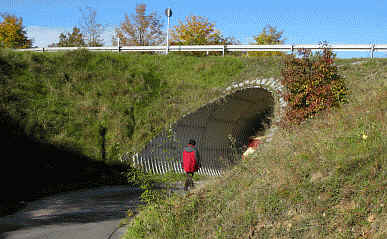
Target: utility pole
pixel 168 13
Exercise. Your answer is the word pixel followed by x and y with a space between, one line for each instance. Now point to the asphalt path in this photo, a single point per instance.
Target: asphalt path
pixel 90 214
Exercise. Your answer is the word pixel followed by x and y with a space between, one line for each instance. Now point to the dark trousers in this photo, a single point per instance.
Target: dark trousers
pixel 188 181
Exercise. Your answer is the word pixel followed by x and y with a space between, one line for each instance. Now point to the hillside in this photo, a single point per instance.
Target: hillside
pixel 67 117
pixel 324 179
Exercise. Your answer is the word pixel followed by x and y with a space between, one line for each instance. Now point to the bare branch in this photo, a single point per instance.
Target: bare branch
pixel 91 30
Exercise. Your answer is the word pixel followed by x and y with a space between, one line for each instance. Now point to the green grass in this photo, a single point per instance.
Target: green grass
pixel 323 179
pixel 67 117
pixel 67 98
pixel 62 114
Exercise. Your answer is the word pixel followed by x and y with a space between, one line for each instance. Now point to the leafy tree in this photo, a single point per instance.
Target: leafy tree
pixel 269 36
pixel 91 30
pixel 140 29
pixel 196 30
pixel 12 33
pixel 73 39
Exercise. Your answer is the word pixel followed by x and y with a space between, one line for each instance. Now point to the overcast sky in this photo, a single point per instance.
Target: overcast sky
pixel 303 22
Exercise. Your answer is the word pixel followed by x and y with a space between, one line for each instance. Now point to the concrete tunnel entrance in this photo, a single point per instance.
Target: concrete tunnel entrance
pixel 220 129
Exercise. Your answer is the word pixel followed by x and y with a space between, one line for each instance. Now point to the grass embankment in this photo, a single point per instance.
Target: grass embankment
pixel 324 179
pixel 66 118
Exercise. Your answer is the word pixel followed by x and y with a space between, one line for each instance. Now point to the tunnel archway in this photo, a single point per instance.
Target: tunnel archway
pixel 220 129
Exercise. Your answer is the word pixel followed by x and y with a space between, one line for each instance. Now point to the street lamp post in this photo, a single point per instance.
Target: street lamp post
pixel 168 13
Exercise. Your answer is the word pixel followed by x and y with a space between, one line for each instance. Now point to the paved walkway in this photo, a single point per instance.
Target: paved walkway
pixel 88 214
pixel 85 214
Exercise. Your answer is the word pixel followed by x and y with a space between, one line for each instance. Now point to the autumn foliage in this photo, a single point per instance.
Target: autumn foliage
pixel 196 30
pixel 74 39
pixel 141 29
pixel 312 85
pixel 12 33
pixel 269 36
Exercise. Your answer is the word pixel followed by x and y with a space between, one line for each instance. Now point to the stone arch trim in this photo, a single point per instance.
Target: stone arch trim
pixel 272 85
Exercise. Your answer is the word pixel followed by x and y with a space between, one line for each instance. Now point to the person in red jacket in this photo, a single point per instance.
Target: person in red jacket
pixel 190 163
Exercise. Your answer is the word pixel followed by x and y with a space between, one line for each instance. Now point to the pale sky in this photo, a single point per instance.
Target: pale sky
pixel 303 22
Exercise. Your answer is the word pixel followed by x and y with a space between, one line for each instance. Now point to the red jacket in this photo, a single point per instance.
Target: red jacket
pixel 191 159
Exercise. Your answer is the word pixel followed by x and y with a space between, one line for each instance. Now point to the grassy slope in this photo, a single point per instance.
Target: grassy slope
pixel 324 179
pixel 67 98
pixel 60 111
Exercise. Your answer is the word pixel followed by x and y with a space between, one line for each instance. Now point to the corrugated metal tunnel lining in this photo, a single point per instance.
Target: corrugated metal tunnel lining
pixel 220 129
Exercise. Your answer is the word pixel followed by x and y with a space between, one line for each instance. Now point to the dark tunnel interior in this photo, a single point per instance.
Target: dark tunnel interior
pixel 220 128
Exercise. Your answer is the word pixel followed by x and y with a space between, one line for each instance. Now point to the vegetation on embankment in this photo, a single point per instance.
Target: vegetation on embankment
pixel 326 178
pixel 67 117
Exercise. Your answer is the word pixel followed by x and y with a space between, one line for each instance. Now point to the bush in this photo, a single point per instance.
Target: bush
pixel 312 85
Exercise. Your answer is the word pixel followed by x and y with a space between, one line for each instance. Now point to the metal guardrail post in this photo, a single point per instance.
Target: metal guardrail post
pixel 372 51
pixel 223 49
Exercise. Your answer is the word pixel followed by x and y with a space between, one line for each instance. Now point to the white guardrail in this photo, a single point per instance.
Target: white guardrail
pixel 223 48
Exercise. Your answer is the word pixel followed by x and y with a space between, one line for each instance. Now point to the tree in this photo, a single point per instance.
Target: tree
pixel 269 36
pixel 230 41
pixel 91 30
pixel 196 30
pixel 12 33
pixel 67 39
pixel 140 29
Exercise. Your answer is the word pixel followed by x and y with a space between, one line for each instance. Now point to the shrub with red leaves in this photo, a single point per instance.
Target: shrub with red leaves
pixel 312 85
